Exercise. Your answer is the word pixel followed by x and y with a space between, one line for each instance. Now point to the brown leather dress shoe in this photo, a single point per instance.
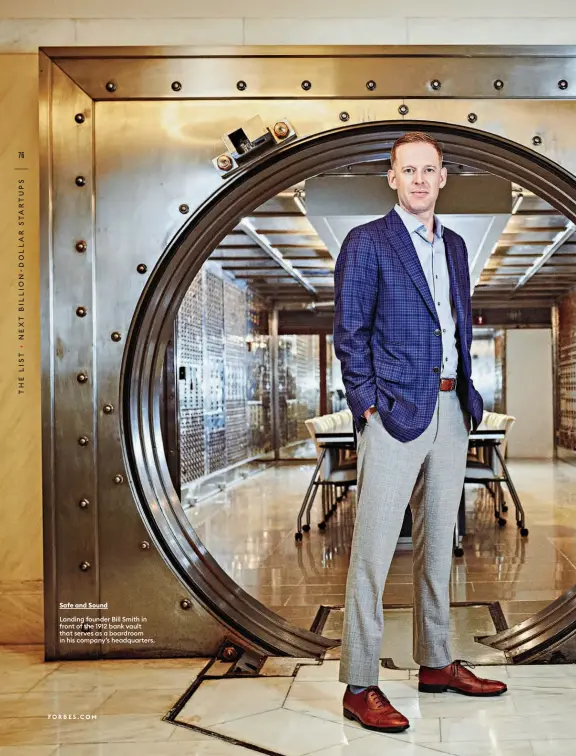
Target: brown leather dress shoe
pixel 459 679
pixel 373 711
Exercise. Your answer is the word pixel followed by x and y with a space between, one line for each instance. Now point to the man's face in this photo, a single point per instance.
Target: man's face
pixel 417 175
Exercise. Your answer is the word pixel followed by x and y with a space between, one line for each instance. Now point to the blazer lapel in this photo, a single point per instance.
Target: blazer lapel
pixel 406 251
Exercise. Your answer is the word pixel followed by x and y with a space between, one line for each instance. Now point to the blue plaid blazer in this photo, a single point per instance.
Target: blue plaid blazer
pixel 385 323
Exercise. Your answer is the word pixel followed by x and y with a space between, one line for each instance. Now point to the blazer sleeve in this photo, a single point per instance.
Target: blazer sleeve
pixel 355 297
pixel 468 299
pixel 469 336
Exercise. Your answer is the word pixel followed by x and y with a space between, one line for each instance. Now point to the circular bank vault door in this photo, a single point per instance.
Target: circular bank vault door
pixel 250 624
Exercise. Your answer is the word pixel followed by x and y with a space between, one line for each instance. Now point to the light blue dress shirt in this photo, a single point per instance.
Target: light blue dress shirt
pixel 432 256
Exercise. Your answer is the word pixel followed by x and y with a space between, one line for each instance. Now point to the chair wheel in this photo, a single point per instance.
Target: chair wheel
pixel 306 528
pixel 524 532
pixel 501 522
pixel 322 525
pixel 504 507
pixel 298 536
pixel 458 551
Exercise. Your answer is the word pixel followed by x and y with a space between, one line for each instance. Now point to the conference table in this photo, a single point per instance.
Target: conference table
pixel 483 442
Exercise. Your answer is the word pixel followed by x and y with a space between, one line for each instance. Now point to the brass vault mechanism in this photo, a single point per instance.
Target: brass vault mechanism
pixel 249 141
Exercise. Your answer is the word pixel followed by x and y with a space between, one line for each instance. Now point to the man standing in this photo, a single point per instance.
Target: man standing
pixel 403 331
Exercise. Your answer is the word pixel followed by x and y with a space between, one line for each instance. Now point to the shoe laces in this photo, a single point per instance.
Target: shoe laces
pixel 377 697
pixel 461 663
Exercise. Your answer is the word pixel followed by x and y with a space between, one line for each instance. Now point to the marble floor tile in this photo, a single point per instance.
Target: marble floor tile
pixel 536 703
pixel 196 747
pixel 376 745
pixel 41 731
pixel 548 684
pixel 93 676
pixel 554 747
pixel 541 671
pixel 280 667
pixel 152 702
pixel 495 748
pixel 41 704
pixel 218 701
pixel 23 680
pixel 19 750
pixel 290 733
pixel 421 731
pixel 500 728
pixel 428 706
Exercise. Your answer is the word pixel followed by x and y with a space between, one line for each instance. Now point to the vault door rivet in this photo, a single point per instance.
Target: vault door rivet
pixel 141 268
pixel 118 479
pixel 184 209
pixel 241 85
pixel 435 84
pixel 281 129
pixel 186 604
pixel 83 503
pixel 230 653
pixel 81 246
pixel 110 86
pixel 144 545
pixel 176 86
pixel 81 377
pixel 115 336
pixel 498 84
pixel 108 409
pixel 85 566
pixel 81 312
pixel 224 162
pixel 79 117
pixel 80 181
pixel 371 85
pixel 83 441
pixel 562 84
pixel 344 116
pixel 306 85
pixel 537 140
pixel 403 109
pixel 472 117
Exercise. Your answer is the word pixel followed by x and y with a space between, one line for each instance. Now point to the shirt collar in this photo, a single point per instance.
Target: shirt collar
pixel 415 225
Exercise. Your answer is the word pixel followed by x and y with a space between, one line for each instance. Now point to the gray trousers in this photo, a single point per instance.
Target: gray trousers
pixel 427 473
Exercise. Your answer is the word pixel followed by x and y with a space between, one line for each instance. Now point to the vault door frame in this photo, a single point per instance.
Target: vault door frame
pixel 106 479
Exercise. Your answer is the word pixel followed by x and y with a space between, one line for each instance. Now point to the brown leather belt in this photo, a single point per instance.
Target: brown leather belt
pixel 447 384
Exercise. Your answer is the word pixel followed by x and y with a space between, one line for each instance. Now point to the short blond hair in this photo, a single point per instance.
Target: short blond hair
pixel 414 137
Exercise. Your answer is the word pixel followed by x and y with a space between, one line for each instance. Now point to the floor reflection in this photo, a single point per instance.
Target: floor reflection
pixel 250 528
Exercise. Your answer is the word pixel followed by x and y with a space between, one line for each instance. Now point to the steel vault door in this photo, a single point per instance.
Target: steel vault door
pixel 128 140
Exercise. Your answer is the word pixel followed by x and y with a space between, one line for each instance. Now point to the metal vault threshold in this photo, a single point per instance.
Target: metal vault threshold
pixel 548 636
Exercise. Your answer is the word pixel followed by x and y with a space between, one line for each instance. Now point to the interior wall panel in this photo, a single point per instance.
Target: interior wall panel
pixel 566 373
pixel 21 599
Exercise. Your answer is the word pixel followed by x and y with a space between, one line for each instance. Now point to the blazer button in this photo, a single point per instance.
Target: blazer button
pixel 436 369
pixel 437 332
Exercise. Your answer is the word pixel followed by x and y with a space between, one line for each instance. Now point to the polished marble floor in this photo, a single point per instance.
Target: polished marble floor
pixel 250 530
pixel 116 708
